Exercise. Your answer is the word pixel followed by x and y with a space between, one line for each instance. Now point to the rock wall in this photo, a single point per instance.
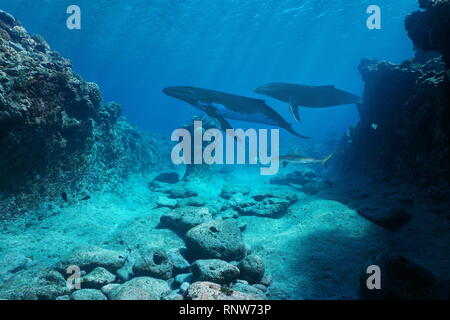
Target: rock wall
pixel 55 132
pixel 403 132
pixel 430 29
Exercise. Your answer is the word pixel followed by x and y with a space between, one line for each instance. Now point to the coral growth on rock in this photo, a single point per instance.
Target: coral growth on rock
pixel 430 29
pixel 403 131
pixel 54 126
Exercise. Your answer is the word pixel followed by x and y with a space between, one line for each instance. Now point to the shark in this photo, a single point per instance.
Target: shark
pixel 307 96
pixel 297 159
pixel 223 106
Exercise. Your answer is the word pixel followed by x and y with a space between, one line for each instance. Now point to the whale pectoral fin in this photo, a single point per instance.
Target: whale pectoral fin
pixel 295 111
pixel 224 124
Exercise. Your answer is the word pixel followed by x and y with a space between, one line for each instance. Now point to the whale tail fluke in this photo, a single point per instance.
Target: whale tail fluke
pixel 295 133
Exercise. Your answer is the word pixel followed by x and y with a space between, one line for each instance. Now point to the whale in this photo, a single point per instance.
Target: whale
pixel 297 95
pixel 224 106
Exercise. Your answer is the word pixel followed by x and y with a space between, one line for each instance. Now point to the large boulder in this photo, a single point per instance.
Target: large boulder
pixel 141 288
pixel 214 270
pixel 182 219
pixel 153 262
pixel 216 239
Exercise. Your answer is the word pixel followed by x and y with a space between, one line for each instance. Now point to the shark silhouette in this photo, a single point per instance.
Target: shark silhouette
pixel 297 159
pixel 307 96
pixel 223 106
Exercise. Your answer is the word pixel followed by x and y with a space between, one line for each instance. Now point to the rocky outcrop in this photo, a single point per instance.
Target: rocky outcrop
pixel 430 29
pixel 403 131
pixel 54 126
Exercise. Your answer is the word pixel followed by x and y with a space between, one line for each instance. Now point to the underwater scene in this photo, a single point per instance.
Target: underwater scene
pixel 224 150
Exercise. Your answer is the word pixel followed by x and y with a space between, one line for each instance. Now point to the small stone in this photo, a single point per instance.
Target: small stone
pixel 252 268
pixel 191 202
pixel 175 297
pixel 97 278
pixel 167 177
pixel 214 270
pixel 184 277
pixel 315 187
pixel 266 280
pixel 246 288
pixel 166 202
pixel 180 264
pixel 260 287
pixel 66 297
pixel 106 290
pixel 179 192
pixel 185 287
pixel 126 271
pixel 268 207
pixel 185 218
pixel 231 189
pixel 88 294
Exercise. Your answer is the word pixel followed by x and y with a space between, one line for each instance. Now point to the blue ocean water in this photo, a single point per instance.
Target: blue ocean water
pixel 78 187
pixel 133 49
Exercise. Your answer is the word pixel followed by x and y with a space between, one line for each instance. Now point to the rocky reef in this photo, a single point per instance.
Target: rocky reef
pixel 430 29
pixel 56 135
pixel 403 131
